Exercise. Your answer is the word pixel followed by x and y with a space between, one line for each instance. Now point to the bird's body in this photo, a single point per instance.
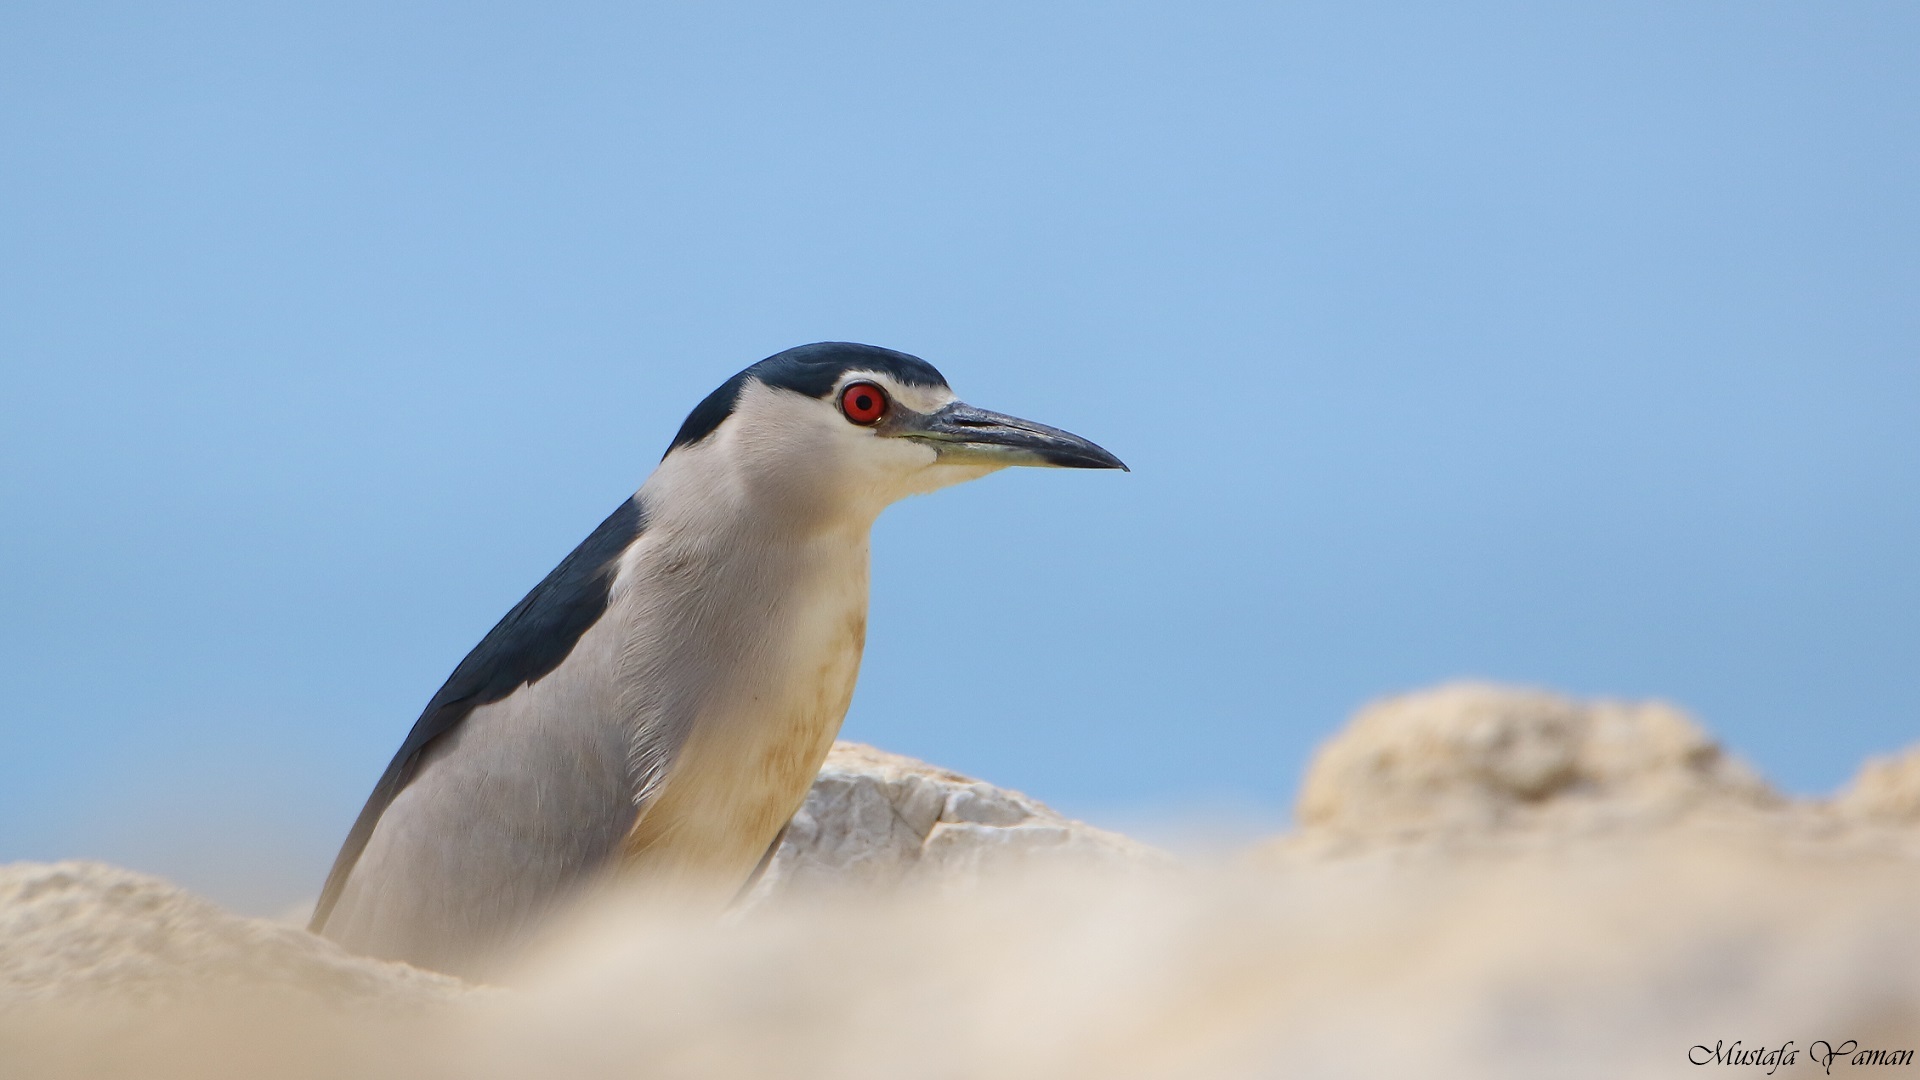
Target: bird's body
pixel 660 704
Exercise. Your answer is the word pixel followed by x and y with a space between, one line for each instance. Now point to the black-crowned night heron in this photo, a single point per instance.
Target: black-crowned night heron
pixel 660 703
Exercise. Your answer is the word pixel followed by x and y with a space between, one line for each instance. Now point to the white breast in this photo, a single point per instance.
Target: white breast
pixel 743 645
pixel 754 743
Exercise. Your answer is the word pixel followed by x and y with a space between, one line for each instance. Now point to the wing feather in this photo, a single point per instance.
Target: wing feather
pixel 530 642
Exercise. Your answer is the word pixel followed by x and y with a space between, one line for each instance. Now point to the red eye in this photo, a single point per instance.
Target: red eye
pixel 863 403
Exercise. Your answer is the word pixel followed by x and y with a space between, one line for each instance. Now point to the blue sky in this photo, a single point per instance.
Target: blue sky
pixel 1570 345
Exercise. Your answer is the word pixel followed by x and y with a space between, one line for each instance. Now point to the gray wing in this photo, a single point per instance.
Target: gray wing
pixel 513 786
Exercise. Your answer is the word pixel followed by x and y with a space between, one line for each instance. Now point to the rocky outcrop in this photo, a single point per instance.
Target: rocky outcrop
pixel 1472 763
pixel 1485 882
pixel 876 818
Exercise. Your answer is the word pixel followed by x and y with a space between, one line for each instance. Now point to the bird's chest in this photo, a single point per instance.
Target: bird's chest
pixel 774 668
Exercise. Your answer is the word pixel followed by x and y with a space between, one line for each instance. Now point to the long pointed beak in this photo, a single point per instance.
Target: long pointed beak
pixel 963 434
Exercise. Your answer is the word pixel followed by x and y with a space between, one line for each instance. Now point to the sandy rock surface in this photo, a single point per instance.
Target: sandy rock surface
pixel 1469 769
pixel 82 930
pixel 1887 791
pixel 1472 760
pixel 1486 882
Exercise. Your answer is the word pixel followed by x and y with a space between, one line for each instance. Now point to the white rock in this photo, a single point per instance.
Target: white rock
pixel 879 818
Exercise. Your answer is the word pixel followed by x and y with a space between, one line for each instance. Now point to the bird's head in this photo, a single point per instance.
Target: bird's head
pixel 837 429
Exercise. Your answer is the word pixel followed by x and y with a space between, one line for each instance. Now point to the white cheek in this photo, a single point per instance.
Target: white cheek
pixel 936 476
pixel 910 454
pixel 891 469
pixel 885 464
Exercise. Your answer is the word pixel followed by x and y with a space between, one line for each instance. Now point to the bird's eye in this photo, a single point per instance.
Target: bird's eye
pixel 863 402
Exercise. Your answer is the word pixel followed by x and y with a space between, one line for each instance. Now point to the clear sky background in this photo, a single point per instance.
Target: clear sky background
pixel 1567 345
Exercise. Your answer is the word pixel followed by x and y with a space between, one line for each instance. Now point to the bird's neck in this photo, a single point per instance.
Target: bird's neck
pixel 737 491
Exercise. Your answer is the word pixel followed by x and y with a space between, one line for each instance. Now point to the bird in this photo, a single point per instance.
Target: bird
pixel 658 706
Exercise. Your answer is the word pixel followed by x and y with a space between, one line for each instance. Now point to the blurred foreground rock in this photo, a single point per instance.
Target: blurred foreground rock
pixel 83 930
pixel 1486 882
